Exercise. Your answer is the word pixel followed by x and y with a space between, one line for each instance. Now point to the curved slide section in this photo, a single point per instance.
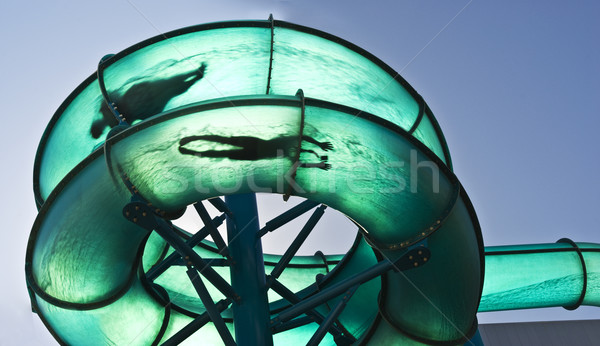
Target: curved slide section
pixel 85 258
pixel 229 59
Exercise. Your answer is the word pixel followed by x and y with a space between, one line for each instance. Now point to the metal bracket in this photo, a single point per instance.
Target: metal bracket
pixel 296 163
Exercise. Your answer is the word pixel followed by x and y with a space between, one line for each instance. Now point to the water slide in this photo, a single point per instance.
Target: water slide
pixel 236 108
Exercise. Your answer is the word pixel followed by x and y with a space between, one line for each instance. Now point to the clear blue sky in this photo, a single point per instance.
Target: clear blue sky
pixel 515 86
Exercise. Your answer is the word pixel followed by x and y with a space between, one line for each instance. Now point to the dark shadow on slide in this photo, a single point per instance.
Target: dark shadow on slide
pixel 254 148
pixel 146 99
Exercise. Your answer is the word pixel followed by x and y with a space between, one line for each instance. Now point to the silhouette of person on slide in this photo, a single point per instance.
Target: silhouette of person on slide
pixel 146 99
pixel 253 148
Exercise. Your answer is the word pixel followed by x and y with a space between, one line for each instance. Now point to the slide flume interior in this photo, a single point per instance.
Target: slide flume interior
pixel 264 107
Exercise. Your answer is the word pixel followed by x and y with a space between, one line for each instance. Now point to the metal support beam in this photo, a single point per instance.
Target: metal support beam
pixel 250 315
pixel 337 310
pixel 291 297
pixel 411 259
pixel 210 306
pixel 174 257
pixel 295 323
pixel 142 215
pixel 220 205
pixel 295 246
pixel 287 216
pixel 195 325
pixel 212 229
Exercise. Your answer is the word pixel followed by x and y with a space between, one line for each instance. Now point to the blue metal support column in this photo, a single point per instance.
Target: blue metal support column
pixel 251 318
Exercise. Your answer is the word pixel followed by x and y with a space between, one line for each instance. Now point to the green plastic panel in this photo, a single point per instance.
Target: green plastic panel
pixel 155 78
pixel 216 61
pixel 75 260
pixel 300 61
pixel 448 307
pixel 131 320
pixel 371 164
pixel 592 264
pixel 540 275
pixel 210 171
pixel 69 140
pixel 427 134
pixel 362 309
pixel 208 334
pixel 236 59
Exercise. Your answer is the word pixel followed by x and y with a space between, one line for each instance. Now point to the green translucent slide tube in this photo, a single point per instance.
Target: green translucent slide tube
pixel 84 258
pixel 543 275
pixel 264 107
pixel 238 62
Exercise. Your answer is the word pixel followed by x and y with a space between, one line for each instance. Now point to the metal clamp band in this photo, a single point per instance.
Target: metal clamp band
pixel 583 268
